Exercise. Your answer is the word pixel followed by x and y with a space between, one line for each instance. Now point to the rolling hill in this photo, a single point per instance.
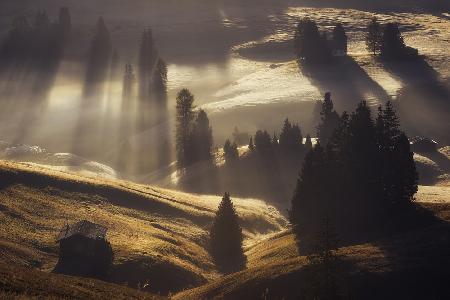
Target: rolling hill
pixel 159 236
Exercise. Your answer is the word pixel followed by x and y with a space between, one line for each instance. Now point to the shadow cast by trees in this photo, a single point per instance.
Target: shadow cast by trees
pixel 346 80
pixel 423 102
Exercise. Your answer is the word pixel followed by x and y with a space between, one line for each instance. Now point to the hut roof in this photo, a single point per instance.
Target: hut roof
pixel 83 228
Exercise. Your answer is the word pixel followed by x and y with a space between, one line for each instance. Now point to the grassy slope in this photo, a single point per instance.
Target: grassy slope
pixel 157 235
pixel 413 264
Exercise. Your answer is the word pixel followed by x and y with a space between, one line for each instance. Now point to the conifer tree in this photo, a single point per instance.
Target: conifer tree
pixel 339 38
pixel 308 143
pixel 226 238
pixel 99 57
pixel 148 57
pixel 251 146
pixel 374 37
pixel 392 44
pixel 184 124
pixel 201 139
pixel 128 81
pixel 230 151
pixel 329 120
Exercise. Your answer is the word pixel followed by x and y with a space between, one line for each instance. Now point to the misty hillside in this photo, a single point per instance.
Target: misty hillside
pixel 157 235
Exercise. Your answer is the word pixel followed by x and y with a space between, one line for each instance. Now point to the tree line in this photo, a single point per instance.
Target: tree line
pixel 315 46
pixel 359 177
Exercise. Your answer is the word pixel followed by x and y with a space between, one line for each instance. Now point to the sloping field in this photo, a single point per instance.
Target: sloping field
pixel 158 236
pixel 412 264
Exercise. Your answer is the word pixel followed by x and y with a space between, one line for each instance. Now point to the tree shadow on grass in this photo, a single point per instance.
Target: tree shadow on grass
pixel 347 82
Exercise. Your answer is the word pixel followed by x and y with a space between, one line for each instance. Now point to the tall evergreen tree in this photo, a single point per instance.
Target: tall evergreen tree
pixel 184 119
pixel 339 38
pixel 201 139
pixel 99 57
pixel 251 146
pixel 148 59
pixel 160 80
pixel 309 44
pixel 263 142
pixel 373 36
pixel 329 120
pixel 226 238
pixel 128 81
pixel 308 143
pixel 392 45
pixel 309 202
pixel 230 151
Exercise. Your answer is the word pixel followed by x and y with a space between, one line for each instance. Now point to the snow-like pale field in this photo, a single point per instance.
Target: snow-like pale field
pixel 275 77
pixel 238 62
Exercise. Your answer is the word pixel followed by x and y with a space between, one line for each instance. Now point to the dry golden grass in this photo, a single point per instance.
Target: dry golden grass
pixel 142 221
pixel 275 269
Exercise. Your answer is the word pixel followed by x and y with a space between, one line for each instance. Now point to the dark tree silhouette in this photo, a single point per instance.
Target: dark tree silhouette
pixel 374 37
pixel 309 44
pixel 329 120
pixel 128 81
pixel 308 143
pixel 392 45
pixel 160 80
pixel 148 59
pixel 99 58
pixel 263 142
pixel 291 138
pixel 309 198
pixel 339 40
pixel 362 180
pixel 184 118
pixel 226 238
pixel 201 139
pixel 230 151
pixel 251 146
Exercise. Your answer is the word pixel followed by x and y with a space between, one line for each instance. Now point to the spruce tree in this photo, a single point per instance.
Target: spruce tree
pixel 374 37
pixel 226 238
pixel 201 139
pixel 339 38
pixel 308 143
pixel 230 151
pixel 329 120
pixel 251 146
pixel 309 201
pixel 392 44
pixel 184 124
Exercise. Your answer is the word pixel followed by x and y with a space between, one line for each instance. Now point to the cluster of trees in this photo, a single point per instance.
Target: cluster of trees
pixel 193 133
pixel 362 176
pixel 387 41
pixel 38 43
pixel 289 142
pixel 226 238
pixel 314 46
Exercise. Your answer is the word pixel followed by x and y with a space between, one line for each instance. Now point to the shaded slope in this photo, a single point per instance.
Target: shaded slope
pixel 159 236
pixel 412 264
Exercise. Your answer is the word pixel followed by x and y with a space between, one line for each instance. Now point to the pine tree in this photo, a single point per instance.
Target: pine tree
pixel 309 43
pixel 128 81
pixel 392 45
pixel 329 120
pixel 309 201
pixel 201 139
pixel 251 146
pixel 148 58
pixel 230 151
pixel 308 143
pixel 339 38
pixel 226 238
pixel 99 57
pixel 374 37
pixel 184 119
pixel 263 142
pixel 160 79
